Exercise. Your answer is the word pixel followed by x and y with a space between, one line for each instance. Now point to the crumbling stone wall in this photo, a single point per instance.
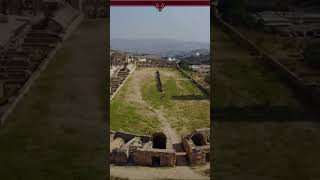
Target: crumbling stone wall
pixel 118 59
pixel 140 149
pixel 157 64
pixel 145 157
pixel 119 156
pixel 158 81
pixel 127 136
pixel 197 152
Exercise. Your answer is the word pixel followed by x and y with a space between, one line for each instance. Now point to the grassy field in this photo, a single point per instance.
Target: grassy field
pixel 271 146
pixel 240 80
pixel 130 117
pixel 184 105
pixel 57 131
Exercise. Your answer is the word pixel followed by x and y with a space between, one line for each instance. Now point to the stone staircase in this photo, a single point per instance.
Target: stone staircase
pixel 118 79
pixel 20 60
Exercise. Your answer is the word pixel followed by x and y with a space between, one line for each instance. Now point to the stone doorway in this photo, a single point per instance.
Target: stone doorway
pixel 155 161
pixel 208 157
pixel 198 140
pixel 159 141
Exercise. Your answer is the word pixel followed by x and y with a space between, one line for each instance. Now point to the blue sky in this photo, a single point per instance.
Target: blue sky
pixel 179 23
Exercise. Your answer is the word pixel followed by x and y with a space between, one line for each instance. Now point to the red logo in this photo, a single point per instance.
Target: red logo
pixel 160 5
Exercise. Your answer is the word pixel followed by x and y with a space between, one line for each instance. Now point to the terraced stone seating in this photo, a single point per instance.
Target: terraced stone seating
pixel 17 64
pixel 118 79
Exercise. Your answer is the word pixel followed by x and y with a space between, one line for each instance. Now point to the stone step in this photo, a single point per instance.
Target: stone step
pixel 40 40
pixel 38 44
pixel 13 75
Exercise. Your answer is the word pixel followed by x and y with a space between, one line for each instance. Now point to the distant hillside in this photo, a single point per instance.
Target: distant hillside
pixel 195 57
pixel 163 47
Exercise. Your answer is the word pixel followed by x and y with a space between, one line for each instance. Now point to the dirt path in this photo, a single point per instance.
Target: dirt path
pixel 149 173
pixel 136 97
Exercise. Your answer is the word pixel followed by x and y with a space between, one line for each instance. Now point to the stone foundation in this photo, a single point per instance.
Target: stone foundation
pixel 198 149
pixel 157 64
pixel 157 150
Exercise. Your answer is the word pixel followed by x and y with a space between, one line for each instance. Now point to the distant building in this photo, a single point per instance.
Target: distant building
pixel 118 59
pixel 201 68
pixel 172 59
pixel 142 60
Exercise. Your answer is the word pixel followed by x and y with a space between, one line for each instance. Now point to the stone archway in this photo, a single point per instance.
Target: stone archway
pixel 159 141
pixel 199 139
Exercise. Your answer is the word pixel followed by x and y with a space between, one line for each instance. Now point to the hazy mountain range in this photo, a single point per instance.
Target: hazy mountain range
pixel 163 47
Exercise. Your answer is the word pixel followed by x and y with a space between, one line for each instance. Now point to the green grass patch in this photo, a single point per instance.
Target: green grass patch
pixel 129 117
pixel 242 80
pixel 184 115
pixel 126 117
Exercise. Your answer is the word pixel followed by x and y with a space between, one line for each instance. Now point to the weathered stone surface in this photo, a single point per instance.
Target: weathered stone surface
pixel 156 64
pixel 197 146
pixel 155 157
pixel 157 150
pixel 142 150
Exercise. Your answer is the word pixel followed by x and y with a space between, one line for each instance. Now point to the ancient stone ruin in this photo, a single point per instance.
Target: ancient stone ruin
pixel 144 150
pixel 197 146
pixel 118 58
pixel 158 81
pixel 24 45
pixel 118 78
pixel 156 64
pixel 157 149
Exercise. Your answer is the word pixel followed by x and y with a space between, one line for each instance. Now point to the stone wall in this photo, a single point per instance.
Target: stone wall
pixel 128 136
pixel 196 83
pixel 197 154
pixel 157 64
pixel 119 156
pixel 127 148
pixel 145 157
